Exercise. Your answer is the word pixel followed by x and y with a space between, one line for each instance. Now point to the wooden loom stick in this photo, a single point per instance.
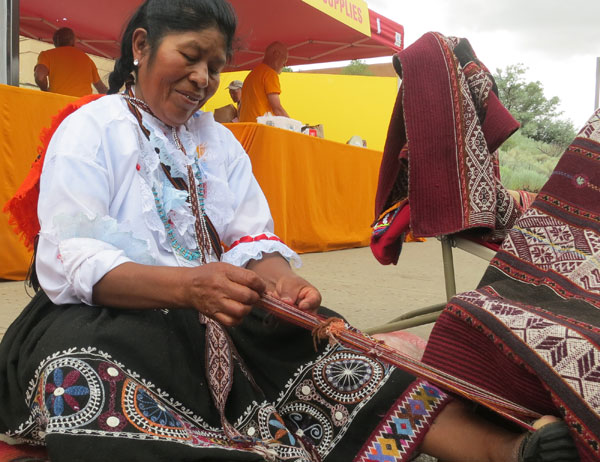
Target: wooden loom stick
pixel 338 331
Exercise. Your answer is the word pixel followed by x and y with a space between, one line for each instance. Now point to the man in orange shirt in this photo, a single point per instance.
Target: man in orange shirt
pixel 261 90
pixel 69 70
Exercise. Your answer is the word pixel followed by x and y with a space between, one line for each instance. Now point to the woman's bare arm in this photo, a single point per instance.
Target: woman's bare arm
pixel 219 290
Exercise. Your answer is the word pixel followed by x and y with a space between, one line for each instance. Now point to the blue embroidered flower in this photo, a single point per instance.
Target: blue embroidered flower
pixel 279 430
pixel 154 411
pixel 63 390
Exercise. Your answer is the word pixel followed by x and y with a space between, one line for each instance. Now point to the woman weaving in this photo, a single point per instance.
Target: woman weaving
pixel 143 344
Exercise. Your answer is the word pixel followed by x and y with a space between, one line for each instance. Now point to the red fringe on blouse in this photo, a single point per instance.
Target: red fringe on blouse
pixel 22 207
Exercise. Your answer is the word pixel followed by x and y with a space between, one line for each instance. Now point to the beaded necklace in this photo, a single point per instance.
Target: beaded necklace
pixel 195 190
pixel 219 346
pixel 196 200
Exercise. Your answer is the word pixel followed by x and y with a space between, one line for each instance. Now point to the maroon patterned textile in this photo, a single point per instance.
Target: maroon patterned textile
pixel 441 145
pixel 531 332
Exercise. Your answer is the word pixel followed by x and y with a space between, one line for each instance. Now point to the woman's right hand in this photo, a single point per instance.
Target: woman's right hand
pixel 222 291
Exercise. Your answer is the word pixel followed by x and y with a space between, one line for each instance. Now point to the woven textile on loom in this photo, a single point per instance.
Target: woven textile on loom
pixel 531 332
pixel 440 159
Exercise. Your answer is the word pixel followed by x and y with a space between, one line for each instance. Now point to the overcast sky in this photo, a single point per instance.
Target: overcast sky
pixel 558 40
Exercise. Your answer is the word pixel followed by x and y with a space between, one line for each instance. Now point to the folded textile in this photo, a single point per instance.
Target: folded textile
pixel 440 151
pixel 389 233
pixel 531 332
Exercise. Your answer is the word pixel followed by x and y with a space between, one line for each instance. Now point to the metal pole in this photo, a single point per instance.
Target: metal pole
pixel 448 262
pixel 597 100
pixel 9 42
pixel 3 43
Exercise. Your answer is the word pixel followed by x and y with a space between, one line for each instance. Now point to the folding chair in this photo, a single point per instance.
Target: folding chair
pixel 429 314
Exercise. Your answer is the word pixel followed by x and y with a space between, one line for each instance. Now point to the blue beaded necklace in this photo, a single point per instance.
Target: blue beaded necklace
pixel 196 193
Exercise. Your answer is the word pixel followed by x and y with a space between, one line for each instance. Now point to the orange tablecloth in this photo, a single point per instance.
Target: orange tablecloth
pixel 23 113
pixel 321 192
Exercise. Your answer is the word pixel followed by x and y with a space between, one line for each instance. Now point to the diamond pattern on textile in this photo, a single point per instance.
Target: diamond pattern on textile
pixel 219 369
pixel 480 84
pixel 401 431
pixel 552 245
pixel 592 129
pixel 566 351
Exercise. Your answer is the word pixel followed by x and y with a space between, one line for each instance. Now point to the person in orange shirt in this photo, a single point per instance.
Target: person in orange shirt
pixel 261 90
pixel 66 69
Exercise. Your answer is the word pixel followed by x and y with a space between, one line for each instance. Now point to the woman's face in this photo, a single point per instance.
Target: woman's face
pixel 182 75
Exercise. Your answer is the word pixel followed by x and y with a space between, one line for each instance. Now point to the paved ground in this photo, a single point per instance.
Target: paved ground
pixel 352 282
pixel 367 293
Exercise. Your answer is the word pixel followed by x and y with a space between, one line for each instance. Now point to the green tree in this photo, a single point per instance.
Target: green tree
pixel 287 69
pixel 357 67
pixel 538 115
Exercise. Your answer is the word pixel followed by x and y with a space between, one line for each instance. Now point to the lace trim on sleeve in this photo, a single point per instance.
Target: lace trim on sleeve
pixel 253 247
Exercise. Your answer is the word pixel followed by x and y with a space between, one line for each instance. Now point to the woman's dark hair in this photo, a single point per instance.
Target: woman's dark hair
pixel 160 17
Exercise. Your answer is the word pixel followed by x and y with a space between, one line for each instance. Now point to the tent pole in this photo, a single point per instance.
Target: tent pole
pixel 9 42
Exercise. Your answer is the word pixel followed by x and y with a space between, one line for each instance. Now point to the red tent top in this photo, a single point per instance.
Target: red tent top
pixel 311 36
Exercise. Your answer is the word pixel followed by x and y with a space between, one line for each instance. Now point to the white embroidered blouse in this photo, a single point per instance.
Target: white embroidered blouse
pixel 102 186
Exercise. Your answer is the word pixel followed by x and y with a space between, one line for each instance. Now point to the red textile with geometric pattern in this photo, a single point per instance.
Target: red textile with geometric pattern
pixel 531 332
pixel 453 180
pixel 441 145
pixel 440 155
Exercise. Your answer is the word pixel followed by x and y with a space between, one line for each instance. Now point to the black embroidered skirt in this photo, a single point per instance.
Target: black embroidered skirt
pixel 98 384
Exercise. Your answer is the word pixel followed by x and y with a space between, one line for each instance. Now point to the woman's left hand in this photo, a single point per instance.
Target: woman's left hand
pixel 284 284
pixel 295 290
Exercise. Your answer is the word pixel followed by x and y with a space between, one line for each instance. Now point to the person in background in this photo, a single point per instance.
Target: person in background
pixel 261 90
pixel 235 91
pixel 230 113
pixel 65 69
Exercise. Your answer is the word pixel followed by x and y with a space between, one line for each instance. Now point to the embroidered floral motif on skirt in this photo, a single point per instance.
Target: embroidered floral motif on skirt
pixel 142 389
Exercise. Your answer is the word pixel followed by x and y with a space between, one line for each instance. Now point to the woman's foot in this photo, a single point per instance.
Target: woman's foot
pixel 551 442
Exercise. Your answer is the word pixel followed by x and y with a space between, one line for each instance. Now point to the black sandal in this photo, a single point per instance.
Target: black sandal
pixel 551 443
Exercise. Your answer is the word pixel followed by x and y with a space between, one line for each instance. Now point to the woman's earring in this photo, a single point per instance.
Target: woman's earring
pixel 135 62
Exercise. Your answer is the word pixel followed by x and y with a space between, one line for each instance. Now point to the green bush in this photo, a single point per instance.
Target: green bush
pixel 529 156
pixel 526 163
pixel 357 67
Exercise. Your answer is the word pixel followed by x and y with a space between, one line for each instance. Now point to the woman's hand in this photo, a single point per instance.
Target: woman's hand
pixel 284 284
pixel 222 291
pixel 295 290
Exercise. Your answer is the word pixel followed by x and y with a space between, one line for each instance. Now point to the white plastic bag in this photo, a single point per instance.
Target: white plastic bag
pixel 280 122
